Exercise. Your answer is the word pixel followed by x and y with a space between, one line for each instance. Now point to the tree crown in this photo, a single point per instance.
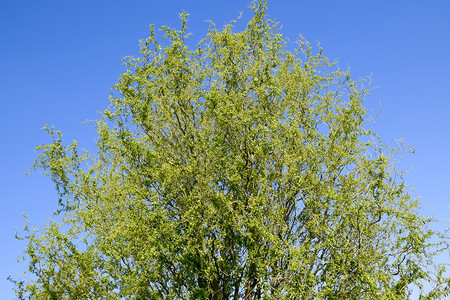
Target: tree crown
pixel 237 169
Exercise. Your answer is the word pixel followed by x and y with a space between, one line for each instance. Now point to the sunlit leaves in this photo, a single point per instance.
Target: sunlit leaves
pixel 237 169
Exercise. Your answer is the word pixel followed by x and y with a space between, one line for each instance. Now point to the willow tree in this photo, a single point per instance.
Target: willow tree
pixel 240 169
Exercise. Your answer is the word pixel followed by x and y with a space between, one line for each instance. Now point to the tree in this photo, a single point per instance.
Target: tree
pixel 236 170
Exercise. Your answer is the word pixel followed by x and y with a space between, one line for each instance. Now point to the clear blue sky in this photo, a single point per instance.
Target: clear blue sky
pixel 59 59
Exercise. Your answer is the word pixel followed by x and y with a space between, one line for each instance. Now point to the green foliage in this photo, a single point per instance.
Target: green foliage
pixel 239 169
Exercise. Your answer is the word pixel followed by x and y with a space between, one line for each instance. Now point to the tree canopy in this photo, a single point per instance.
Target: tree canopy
pixel 237 169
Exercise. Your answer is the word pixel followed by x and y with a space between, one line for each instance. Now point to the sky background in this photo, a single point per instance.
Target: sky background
pixel 59 60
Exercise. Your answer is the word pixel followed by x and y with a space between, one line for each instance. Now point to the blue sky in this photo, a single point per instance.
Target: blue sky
pixel 59 59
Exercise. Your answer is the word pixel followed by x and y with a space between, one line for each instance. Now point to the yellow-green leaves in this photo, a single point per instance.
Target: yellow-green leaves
pixel 235 170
